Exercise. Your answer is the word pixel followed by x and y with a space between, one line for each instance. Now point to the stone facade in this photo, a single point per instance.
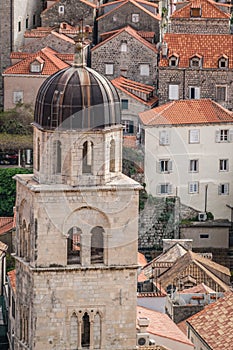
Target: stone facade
pixel 70 11
pixel 199 26
pixel 53 40
pixel 126 63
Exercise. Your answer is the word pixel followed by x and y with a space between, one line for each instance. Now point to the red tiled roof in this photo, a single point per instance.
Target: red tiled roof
pixel 38 32
pixel 209 46
pixel 6 224
pixel 162 326
pixel 214 324
pixel 142 277
pixel 131 32
pixel 137 3
pixel 138 91
pixel 52 63
pixel 145 34
pixel 200 288
pixel 129 141
pixel 208 10
pixel 181 112
pixel 141 259
pixel 12 278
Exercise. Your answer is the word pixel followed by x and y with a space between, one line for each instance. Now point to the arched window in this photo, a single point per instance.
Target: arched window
pixel 97 331
pixel 74 246
pixel 85 331
pixel 57 151
pixel 23 240
pixel 38 154
pixel 74 331
pixel 112 156
pixel 87 157
pixel 97 245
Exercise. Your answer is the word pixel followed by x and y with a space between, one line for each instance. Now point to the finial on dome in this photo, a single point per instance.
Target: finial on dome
pixel 79 54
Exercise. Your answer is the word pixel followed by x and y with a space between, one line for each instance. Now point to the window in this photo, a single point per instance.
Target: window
pixel 195 12
pixel 97 245
pixel 173 92
pixel 61 9
pixel 36 67
pixel 57 157
pixel 26 24
pixel 223 189
pixel 164 137
pixel 223 165
pixel 34 20
pixel 194 136
pixel 87 157
pixel 204 235
pixel 109 68
pixel 135 17
pixel 124 104
pixel 221 93
pixel 194 92
pixel 193 187
pixel 195 62
pixel 173 61
pixel 19 26
pixel 128 126
pixel 112 156
pixel 224 135
pixel 124 47
pixel 18 97
pixel 74 246
pixel 145 69
pixel 85 341
pixel 193 165
pixel 164 189
pixel 223 63
pixel 165 166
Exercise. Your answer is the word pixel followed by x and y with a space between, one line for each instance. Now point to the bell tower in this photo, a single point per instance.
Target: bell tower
pixel 77 222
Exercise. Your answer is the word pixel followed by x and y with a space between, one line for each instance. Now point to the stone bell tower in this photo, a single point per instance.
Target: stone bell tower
pixel 77 222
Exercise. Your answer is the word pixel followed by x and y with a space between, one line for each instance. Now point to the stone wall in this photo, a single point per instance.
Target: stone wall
pixel 182 312
pixel 199 26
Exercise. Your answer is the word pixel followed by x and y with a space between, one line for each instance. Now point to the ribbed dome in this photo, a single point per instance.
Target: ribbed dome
pixel 77 98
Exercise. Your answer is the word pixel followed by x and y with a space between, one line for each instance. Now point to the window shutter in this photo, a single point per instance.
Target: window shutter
pixel 173 92
pixel 231 135
pixel 226 188
pixel 158 167
pixel 197 92
pixel 164 137
pixel 169 191
pixel 220 189
pixel 217 136
pixel 170 166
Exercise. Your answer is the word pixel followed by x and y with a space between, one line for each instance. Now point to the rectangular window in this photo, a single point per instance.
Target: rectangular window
pixel 194 136
pixel 173 92
pixel 145 69
pixel 109 68
pixel 124 104
pixel 221 93
pixel 223 189
pixel 195 12
pixel 164 189
pixel 224 135
pixel 18 97
pixel 61 9
pixel 164 137
pixel 204 235
pixel 26 24
pixel 19 26
pixel 128 126
pixel 193 165
pixel 34 20
pixel 135 17
pixel 165 166
pixel 223 165
pixel 193 187
pixel 194 92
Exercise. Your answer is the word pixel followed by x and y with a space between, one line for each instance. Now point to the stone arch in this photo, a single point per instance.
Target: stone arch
pixel 85 340
pixel 73 330
pixel 97 330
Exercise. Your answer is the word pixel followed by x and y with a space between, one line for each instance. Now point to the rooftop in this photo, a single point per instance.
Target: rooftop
pixel 209 9
pixel 6 224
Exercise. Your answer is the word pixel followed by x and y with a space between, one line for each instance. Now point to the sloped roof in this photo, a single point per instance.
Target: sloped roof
pixel 91 4
pixel 208 10
pixel 38 32
pixel 203 264
pixel 52 63
pixel 12 278
pixel 131 32
pixel 141 4
pixel 6 224
pixel 200 288
pixel 141 259
pixel 138 91
pixel 162 326
pixel 210 46
pixel 181 112
pixel 214 324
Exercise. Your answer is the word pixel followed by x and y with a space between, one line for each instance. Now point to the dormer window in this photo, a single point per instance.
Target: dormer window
pixel 135 17
pixel 195 12
pixel 223 62
pixel 195 62
pixel 173 61
pixel 37 65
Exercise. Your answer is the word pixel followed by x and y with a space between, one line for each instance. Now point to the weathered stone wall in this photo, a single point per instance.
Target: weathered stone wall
pixel 199 26
pixel 182 312
pixel 129 61
pixel 207 79
pixel 123 17
pixel 53 41
pixel 74 11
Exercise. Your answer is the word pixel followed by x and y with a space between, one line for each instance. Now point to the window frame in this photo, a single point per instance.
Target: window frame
pixel 128 126
pixel 173 59
pixel 223 189
pixel 193 61
pixel 109 68
pixel 135 17
pixel 193 187
pixel 173 92
pixel 221 60
pixel 221 90
pixel 144 69
pixel 194 165
pixel 165 166
pixel 167 189
pixel 194 136
pixel 124 104
pixel 164 137
pixel 16 99
pixel 224 165
pixel 196 91
pixel 61 9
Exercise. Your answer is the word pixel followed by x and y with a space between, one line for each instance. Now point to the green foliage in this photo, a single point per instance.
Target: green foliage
pixel 8 189
pixel 10 262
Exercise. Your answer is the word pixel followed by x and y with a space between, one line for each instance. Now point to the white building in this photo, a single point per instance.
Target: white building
pixel 188 153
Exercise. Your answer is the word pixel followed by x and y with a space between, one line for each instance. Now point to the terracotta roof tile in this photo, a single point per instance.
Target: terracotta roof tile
pixel 39 32
pixel 6 224
pixel 141 92
pixel 162 326
pixel 12 278
pixel 200 288
pixel 208 10
pixel 142 277
pixel 52 63
pixel 203 111
pixel 3 248
pixel 141 259
pixel 208 46
pixel 214 324
pixel 131 32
